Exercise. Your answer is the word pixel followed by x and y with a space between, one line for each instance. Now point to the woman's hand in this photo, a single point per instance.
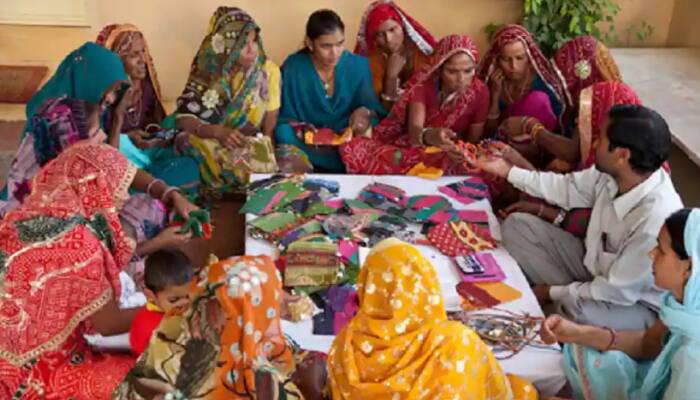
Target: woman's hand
pixel 439 137
pixel 170 238
pixel 394 64
pixel 120 109
pixel 496 82
pixel 180 204
pixel 559 329
pixel 360 121
pixel 229 138
pixel 142 139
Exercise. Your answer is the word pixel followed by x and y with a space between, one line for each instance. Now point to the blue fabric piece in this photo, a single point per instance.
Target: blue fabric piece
pixel 304 100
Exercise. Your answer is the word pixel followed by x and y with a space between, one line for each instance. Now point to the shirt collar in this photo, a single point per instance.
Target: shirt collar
pixel 625 203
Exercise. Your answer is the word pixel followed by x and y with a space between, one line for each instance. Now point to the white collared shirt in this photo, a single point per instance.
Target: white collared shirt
pixel 630 223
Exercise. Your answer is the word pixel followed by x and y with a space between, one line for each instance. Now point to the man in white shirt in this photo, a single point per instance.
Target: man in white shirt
pixel 606 280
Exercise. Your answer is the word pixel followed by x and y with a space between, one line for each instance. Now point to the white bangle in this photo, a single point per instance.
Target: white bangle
pixel 150 185
pixel 167 191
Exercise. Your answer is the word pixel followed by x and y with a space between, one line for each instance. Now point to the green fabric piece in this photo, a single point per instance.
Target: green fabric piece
pixel 272 222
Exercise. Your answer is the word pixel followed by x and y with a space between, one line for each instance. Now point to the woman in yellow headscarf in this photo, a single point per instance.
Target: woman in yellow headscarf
pixel 400 344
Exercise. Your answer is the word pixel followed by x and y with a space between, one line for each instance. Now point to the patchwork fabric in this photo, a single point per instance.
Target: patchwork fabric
pixel 460 238
pixel 302 232
pixel 318 184
pixel 347 226
pixel 479 267
pixel 477 296
pixel 273 226
pixel 272 198
pixel 326 137
pixel 478 217
pixel 390 192
pixel 420 208
pixel 311 264
pixel 379 202
pixel 358 207
pixel 467 191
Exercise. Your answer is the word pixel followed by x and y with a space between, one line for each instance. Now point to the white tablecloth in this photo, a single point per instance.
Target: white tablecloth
pixel 543 367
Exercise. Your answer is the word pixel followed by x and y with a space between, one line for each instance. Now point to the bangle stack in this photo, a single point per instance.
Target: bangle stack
pixel 421 136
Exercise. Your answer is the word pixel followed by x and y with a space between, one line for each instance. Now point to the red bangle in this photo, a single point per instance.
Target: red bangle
pixel 613 338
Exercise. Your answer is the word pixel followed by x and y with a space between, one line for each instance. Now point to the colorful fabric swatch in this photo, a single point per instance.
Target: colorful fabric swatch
pixel 358 207
pixel 479 267
pixel 326 137
pixel 311 264
pixel 420 208
pixel 272 198
pixel 301 232
pixel 467 191
pixel 473 216
pixel 379 202
pixel 477 296
pixel 391 193
pixel 460 238
pixel 316 184
pixel 339 226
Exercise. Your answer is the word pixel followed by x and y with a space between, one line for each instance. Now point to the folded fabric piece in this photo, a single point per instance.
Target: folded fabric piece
pixel 274 226
pixel 267 182
pixel 391 193
pixel 302 202
pixel 381 203
pixel 340 226
pixel 317 184
pixel 420 208
pixel 387 226
pixel 301 232
pixel 272 198
pixel 477 296
pixel 322 208
pixel 302 309
pixel 349 251
pixel 460 238
pixel 479 267
pixel 422 171
pixel 358 207
pixel 474 216
pixel 311 264
pixel 467 191
pixel 198 223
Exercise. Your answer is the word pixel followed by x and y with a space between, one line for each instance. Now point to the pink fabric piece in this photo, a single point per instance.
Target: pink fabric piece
pixel 492 271
pixel 273 202
pixel 537 105
pixel 343 317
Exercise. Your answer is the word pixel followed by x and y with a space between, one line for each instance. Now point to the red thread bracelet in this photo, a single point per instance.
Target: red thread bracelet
pixel 613 337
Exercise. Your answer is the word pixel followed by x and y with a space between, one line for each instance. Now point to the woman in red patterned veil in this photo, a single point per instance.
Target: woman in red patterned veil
pixel 61 252
pixel 442 103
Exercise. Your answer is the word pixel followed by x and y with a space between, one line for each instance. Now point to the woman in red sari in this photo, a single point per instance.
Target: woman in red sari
pixel 579 63
pixel 396 46
pixel 61 252
pixel 443 103
pixel 521 80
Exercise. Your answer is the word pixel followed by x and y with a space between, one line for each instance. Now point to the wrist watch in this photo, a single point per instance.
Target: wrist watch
pixel 559 218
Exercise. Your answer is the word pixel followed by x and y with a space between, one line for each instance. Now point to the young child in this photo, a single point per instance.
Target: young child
pixel 167 278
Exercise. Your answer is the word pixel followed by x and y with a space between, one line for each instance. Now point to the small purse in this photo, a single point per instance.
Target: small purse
pixel 311 264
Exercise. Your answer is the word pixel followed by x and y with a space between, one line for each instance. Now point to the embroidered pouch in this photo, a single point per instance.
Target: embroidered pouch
pixel 311 264
pixel 460 238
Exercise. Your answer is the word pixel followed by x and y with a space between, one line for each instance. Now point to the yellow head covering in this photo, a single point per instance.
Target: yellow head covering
pixel 400 344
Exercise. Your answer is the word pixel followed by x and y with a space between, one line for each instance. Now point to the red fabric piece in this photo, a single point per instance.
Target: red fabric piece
pixel 460 238
pixel 142 327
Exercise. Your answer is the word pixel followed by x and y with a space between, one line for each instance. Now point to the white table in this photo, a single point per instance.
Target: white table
pixel 543 367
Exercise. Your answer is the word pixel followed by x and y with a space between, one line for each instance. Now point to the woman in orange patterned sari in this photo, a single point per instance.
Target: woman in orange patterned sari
pixel 61 252
pixel 400 344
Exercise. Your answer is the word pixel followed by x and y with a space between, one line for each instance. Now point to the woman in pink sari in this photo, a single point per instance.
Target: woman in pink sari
pixel 443 103
pixel 520 78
